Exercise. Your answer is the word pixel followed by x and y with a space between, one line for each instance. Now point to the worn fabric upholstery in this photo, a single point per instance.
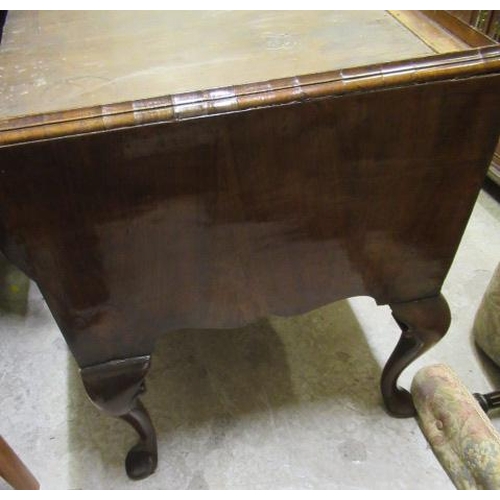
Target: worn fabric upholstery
pixel 460 433
pixel 487 321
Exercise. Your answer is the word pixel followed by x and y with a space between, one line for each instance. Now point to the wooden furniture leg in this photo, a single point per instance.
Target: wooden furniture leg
pixel 489 401
pixel 423 323
pixel 14 471
pixel 114 387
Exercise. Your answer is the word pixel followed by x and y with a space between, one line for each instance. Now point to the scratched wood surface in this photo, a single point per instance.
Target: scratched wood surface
pixel 51 61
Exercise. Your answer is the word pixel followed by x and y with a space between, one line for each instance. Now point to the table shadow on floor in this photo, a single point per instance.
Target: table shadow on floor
pixel 217 377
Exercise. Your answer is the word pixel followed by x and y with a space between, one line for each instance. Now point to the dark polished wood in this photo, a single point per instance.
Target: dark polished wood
pixel 114 387
pixel 489 401
pixel 214 208
pixel 213 223
pixel 423 323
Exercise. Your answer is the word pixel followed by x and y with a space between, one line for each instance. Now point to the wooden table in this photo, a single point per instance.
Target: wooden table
pixel 243 190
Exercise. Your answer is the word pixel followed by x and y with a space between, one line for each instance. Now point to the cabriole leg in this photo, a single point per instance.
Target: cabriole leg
pixel 423 323
pixel 114 387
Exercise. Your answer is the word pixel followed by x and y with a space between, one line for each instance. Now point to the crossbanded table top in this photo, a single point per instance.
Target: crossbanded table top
pixel 58 60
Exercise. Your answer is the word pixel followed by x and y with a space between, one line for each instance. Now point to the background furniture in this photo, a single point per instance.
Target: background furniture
pixel 484 21
pixel 454 420
pixel 485 24
pixel 458 430
pixel 487 321
pixel 14 471
pixel 263 193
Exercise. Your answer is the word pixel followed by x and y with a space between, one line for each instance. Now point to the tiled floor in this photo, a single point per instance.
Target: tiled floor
pixel 285 403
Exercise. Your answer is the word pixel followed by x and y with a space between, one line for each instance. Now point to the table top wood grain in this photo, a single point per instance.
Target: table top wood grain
pixel 52 61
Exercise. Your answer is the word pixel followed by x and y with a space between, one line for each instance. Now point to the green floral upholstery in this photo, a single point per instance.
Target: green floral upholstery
pixel 460 433
pixel 487 321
